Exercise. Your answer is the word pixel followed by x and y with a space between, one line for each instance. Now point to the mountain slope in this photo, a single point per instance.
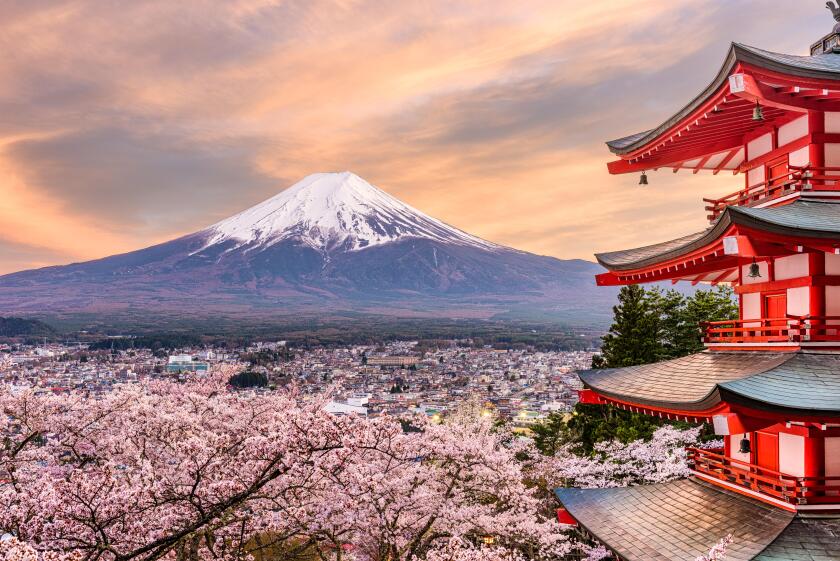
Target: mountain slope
pixel 330 244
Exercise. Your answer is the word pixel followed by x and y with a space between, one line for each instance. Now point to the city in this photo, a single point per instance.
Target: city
pixel 394 379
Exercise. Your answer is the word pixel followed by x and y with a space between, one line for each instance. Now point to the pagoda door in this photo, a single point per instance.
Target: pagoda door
pixel 775 312
pixel 767 450
pixel 777 173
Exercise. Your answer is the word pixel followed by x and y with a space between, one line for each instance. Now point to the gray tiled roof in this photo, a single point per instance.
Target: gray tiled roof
pixel 807 381
pixel 804 381
pixel 674 521
pixel 811 218
pixel 806 539
pixel 687 383
pixel 630 257
pixel 815 217
pixel 823 66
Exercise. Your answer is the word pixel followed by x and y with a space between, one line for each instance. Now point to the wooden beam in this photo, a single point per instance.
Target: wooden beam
pixel 732 153
pixel 702 163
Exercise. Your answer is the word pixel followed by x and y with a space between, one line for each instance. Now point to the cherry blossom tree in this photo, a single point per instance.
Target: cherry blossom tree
pixel 614 464
pixel 162 471
pixel 406 493
pixel 193 471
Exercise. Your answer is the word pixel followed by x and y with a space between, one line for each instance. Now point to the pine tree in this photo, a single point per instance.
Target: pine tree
pixel 634 335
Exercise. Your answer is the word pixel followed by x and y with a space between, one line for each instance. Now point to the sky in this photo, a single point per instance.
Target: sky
pixel 124 124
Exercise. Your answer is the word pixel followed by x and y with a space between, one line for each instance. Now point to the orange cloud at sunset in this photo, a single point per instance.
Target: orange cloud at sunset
pixel 127 124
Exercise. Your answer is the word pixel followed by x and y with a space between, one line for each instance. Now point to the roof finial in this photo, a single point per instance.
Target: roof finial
pixel 835 10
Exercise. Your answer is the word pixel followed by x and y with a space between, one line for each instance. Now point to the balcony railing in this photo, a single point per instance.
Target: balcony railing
pixel 797 179
pixel 790 329
pixel 784 487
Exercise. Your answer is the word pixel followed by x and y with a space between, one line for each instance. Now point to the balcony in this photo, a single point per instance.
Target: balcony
pixel 791 489
pixel 790 329
pixel 796 180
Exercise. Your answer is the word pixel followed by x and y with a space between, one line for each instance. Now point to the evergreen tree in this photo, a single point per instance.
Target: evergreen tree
pixel 648 326
pixel 634 335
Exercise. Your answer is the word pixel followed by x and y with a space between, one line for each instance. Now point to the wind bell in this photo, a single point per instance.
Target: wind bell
pixel 758 112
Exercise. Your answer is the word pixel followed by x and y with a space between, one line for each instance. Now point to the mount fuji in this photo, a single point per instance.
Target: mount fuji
pixel 331 244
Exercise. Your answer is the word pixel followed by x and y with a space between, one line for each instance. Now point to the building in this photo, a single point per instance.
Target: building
pixel 185 363
pixel 393 361
pixel 770 381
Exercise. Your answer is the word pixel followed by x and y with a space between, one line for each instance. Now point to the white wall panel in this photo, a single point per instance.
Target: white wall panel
pixel 832 456
pixel 799 301
pixel 759 146
pixel 791 267
pixel 793 130
pixel 792 454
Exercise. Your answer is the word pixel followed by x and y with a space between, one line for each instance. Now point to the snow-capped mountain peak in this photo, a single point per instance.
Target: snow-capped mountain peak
pixel 335 211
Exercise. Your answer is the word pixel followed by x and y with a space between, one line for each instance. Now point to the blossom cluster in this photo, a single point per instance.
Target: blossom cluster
pixel 193 471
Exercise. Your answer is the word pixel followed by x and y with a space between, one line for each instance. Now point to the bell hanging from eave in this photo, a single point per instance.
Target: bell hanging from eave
pixel 758 112
pixel 755 270
pixel 643 180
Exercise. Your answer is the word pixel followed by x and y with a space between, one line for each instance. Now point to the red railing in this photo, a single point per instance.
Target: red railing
pixel 790 329
pixel 797 179
pixel 789 488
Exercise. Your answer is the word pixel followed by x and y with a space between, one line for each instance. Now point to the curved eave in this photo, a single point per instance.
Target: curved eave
pixel 757 219
pixel 738 54
pixel 704 384
pixel 687 385
pixel 793 413
pixel 698 408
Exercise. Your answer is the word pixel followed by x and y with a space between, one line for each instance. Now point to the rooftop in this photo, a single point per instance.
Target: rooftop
pixel 802 218
pixel 676 521
pixel 824 66
pixel 800 383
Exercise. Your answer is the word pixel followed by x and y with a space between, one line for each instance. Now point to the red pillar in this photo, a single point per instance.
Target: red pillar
pixel 816 125
pixel 815 459
pixel 816 266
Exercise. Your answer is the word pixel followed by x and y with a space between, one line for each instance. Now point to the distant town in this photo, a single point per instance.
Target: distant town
pixel 397 378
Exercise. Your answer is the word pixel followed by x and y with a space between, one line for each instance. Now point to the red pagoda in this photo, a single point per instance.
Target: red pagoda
pixel 768 382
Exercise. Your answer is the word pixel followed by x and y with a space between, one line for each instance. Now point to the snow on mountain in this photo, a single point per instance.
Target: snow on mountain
pixel 334 211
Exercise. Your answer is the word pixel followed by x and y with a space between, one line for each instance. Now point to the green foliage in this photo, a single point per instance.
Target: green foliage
pixel 634 335
pixel 249 379
pixel 654 325
pixel 20 327
pixel 153 342
pixel 649 326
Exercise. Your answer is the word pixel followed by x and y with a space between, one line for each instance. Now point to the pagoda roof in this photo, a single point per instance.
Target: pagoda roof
pixel 806 539
pixel 678 520
pixel 806 381
pixel 825 66
pixel 689 383
pixel 803 218
pixel 798 382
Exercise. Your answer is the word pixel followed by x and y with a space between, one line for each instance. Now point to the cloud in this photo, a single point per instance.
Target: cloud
pixel 126 124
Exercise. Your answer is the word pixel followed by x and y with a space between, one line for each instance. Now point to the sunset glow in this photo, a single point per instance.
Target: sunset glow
pixel 128 124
